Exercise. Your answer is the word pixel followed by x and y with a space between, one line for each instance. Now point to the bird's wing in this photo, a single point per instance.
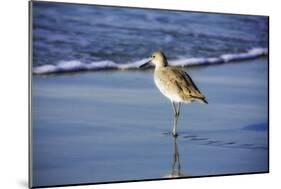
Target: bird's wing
pixel 184 83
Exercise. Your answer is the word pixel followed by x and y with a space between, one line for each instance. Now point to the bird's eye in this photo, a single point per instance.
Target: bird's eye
pixel 153 56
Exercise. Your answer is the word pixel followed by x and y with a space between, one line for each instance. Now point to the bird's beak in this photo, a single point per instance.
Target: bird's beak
pixel 145 64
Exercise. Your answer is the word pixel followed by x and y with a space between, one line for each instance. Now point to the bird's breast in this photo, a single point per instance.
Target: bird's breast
pixel 166 88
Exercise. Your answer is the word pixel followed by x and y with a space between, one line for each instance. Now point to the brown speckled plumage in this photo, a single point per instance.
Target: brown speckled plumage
pixel 179 83
pixel 175 84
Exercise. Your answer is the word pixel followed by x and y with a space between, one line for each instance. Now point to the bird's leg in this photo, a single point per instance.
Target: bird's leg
pixel 179 108
pixel 176 116
pixel 174 108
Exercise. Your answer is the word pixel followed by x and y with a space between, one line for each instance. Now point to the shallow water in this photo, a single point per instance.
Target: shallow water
pixel 110 126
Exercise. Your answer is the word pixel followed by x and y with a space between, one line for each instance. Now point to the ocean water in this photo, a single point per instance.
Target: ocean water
pixel 103 126
pixel 68 37
pixel 114 126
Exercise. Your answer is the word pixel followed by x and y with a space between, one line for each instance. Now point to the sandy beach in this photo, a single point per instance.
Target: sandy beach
pixel 114 125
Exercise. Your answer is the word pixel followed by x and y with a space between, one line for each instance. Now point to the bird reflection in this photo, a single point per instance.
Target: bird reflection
pixel 176 167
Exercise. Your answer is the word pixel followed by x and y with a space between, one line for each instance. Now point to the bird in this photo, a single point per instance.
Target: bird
pixel 174 83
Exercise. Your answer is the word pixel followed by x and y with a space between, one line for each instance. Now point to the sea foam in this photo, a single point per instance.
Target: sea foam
pixel 76 65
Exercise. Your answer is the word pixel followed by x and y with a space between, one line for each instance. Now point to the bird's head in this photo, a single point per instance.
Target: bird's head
pixel 158 59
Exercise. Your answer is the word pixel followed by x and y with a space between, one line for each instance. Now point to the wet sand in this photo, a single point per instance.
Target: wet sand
pixel 114 125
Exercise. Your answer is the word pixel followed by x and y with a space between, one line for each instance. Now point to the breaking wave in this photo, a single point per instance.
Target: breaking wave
pixel 77 66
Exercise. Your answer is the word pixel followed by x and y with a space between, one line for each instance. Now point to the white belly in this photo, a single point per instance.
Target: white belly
pixel 172 95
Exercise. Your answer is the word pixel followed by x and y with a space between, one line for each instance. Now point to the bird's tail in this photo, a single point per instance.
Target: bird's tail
pixel 204 101
pixel 201 100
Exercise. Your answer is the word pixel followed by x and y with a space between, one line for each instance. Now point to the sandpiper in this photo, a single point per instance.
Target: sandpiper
pixel 174 83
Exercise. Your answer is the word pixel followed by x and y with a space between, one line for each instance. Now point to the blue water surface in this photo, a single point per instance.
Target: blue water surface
pixel 64 32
